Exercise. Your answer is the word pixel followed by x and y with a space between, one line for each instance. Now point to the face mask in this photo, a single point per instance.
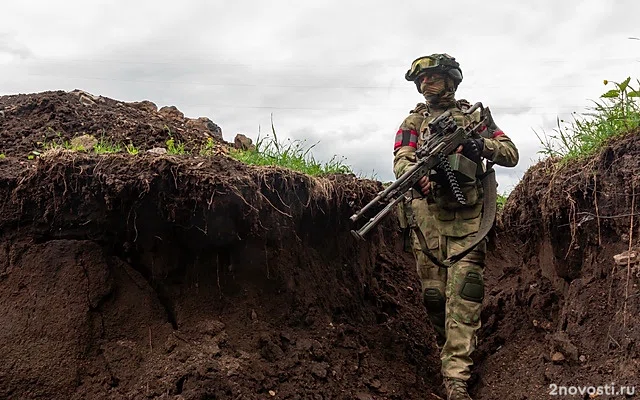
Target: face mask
pixel 437 93
pixel 432 88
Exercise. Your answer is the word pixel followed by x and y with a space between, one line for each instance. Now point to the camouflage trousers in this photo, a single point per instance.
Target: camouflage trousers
pixel 453 296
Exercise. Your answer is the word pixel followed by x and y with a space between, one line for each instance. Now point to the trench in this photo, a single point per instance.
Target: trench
pixel 261 290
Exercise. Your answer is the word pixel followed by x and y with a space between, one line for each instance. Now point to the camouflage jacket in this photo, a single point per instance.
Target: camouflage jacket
pixel 450 217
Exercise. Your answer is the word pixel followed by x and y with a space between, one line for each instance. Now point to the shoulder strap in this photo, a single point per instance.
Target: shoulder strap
pixel 488 215
pixel 486 223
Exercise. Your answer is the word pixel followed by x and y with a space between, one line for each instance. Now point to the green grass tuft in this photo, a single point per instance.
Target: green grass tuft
pixel 131 149
pixel 616 113
pixel 105 146
pixel 292 154
pixel 208 148
pixel 175 148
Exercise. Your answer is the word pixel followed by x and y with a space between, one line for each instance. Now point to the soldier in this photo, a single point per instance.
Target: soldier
pixel 452 296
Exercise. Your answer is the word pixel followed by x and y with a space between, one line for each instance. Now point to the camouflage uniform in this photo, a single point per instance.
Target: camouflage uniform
pixel 453 297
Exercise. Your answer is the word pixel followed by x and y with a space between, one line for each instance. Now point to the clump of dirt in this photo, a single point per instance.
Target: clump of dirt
pixel 560 311
pixel 192 277
pixel 35 122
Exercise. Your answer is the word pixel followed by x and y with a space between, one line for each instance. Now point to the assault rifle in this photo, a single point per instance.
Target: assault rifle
pixel 445 137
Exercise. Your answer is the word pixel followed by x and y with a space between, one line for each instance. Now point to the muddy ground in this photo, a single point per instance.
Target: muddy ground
pixel 194 276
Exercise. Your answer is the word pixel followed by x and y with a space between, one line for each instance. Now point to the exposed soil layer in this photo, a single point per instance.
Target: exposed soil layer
pixel 151 276
pixel 157 276
pixel 560 311
pixel 197 277
pixel 34 122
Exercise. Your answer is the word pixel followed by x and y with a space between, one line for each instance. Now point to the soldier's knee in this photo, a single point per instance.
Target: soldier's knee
pixel 472 287
pixel 434 301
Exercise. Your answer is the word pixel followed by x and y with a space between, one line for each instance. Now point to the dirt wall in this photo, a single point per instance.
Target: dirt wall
pixel 168 277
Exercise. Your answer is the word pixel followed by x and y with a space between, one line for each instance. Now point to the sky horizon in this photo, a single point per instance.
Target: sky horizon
pixel 329 72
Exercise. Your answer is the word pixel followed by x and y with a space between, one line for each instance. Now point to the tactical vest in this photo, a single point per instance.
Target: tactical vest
pixel 451 217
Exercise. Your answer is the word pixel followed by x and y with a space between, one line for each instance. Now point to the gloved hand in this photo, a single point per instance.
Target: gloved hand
pixel 473 148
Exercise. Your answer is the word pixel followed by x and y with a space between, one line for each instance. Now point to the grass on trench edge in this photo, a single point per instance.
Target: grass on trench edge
pixel 292 154
pixel 615 114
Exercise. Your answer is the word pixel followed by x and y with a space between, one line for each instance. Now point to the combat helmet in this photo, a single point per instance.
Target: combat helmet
pixel 441 62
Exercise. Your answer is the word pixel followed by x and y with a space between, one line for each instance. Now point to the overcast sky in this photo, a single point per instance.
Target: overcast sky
pixel 329 71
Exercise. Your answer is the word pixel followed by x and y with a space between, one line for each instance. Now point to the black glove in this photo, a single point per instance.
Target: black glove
pixel 473 148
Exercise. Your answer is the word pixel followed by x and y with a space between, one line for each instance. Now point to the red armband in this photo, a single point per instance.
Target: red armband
pixel 405 137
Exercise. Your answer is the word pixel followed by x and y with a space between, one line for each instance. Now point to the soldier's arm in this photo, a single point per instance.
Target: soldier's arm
pixel 405 146
pixel 499 148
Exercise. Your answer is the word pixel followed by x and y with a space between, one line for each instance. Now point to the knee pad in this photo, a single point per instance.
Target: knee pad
pixel 434 301
pixel 472 287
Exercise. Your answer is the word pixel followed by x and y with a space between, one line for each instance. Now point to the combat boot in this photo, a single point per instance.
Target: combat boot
pixel 456 389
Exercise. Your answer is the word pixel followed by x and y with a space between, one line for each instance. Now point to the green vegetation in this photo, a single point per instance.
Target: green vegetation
pixel 2 156
pixel 292 154
pixel 268 151
pixel 617 113
pixel 175 148
pixel 131 149
pixel 105 146
pixel 59 143
pixel 501 200
pixel 209 148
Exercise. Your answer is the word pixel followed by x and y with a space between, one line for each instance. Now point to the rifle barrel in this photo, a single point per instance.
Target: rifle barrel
pixel 386 194
pixel 360 233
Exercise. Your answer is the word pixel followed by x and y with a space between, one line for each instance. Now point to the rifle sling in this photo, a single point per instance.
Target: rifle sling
pixel 425 248
pixel 486 223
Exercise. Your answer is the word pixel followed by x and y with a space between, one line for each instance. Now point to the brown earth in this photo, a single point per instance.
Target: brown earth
pixel 560 311
pixel 197 277
pixel 37 121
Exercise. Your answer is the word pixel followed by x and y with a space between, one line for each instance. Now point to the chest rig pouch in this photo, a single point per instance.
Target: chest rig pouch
pixel 476 184
pixel 455 183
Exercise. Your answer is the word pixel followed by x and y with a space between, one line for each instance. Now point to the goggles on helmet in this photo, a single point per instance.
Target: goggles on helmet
pixel 422 64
